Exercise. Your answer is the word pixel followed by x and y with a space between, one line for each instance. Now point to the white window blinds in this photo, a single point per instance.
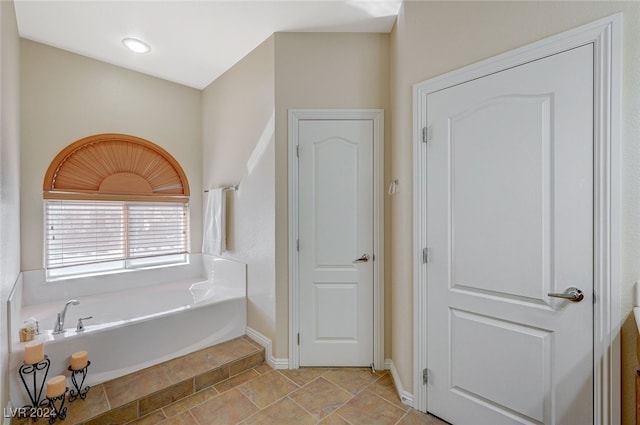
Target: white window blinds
pixel 95 236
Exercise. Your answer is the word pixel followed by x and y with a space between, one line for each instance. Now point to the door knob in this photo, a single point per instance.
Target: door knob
pixel 362 259
pixel 571 293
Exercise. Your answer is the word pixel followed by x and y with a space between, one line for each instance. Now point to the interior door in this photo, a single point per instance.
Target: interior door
pixel 509 224
pixel 335 242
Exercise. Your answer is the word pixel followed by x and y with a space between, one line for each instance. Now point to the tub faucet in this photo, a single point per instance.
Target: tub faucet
pixel 58 328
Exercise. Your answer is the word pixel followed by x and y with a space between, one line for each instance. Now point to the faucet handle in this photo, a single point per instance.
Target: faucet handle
pixel 80 326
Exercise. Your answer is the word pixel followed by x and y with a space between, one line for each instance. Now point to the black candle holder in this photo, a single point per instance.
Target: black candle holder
pixel 77 390
pixel 56 408
pixel 35 386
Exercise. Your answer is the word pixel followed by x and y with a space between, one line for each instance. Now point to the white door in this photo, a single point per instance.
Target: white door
pixel 335 202
pixel 509 221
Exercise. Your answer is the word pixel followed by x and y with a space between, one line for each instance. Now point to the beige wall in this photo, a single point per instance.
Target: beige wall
pixel 65 97
pixel 431 38
pixel 238 147
pixel 242 108
pixel 9 175
pixel 323 70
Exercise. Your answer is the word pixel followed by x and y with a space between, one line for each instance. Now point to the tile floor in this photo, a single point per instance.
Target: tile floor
pixel 263 396
pixel 229 384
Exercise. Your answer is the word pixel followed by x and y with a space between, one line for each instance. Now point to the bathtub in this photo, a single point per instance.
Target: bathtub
pixel 140 318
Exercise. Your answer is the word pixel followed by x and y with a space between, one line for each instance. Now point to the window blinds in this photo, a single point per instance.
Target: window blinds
pixel 82 233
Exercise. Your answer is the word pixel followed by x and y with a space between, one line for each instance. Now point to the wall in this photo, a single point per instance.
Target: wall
pixel 9 175
pixel 431 38
pixel 66 97
pixel 241 111
pixel 324 70
pixel 238 147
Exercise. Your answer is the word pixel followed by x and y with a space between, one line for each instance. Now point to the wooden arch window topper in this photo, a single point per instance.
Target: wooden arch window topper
pixel 115 166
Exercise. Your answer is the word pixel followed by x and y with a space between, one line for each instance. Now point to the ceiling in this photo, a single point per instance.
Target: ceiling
pixel 192 42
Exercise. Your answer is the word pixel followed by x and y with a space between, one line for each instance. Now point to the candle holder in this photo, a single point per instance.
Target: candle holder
pixel 77 390
pixel 57 409
pixel 35 386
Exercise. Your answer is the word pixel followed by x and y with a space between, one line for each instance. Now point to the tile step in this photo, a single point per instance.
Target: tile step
pixel 130 397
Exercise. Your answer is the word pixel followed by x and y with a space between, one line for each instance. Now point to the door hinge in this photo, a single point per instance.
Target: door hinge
pixel 298 339
pixel 426 255
pixel 298 151
pixel 298 245
pixel 426 134
pixel 594 296
pixel 425 376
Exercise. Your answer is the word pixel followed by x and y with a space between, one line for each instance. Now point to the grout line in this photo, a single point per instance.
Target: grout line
pixel 188 412
pixel 304 408
pixel 402 417
pixel 290 380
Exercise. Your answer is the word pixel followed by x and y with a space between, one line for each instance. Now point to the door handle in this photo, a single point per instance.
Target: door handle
pixel 571 293
pixel 363 259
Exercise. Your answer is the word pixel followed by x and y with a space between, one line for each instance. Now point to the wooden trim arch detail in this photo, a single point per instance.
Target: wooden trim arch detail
pixel 105 166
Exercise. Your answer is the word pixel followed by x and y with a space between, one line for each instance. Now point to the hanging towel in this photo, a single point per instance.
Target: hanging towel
pixel 214 238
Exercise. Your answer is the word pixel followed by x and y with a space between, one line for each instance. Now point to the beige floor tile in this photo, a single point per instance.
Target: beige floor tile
pixel 226 409
pixel 187 367
pixel 352 380
pixel 94 405
pixel 231 350
pixel 164 397
pixel 236 380
pixel 246 363
pixel 158 419
pixel 283 412
pixel 367 408
pixel 334 419
pixel 320 397
pixel 263 368
pixel 209 379
pixel 413 417
pixel 136 385
pixel 151 419
pixel 182 419
pixel 121 415
pixel 304 375
pixel 385 388
pixel 187 403
pixel 266 389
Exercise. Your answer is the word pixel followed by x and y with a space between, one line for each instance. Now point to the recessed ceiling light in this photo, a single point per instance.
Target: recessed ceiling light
pixel 136 45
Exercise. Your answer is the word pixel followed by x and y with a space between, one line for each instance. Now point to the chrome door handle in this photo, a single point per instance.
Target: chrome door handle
pixel 571 293
pixel 363 259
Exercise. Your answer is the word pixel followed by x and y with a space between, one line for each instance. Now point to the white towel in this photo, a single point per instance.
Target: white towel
pixel 214 238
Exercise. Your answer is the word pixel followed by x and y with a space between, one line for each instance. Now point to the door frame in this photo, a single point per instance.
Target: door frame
pixel 377 116
pixel 606 36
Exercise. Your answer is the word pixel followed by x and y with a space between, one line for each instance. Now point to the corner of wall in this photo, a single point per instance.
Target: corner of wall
pixel 9 175
pixel 274 362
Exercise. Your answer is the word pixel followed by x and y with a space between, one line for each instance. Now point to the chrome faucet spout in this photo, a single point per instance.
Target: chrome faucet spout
pixel 58 328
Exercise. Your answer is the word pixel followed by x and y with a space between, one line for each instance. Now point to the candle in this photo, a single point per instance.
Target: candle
pixel 33 353
pixel 56 386
pixel 79 360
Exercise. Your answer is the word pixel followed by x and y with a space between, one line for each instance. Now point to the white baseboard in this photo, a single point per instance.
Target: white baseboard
pixel 268 353
pixel 405 396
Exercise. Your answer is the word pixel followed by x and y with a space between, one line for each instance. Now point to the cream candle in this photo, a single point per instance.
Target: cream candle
pixel 79 360
pixel 56 386
pixel 33 353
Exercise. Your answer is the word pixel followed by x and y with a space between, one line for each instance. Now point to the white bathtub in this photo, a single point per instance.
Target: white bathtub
pixel 163 314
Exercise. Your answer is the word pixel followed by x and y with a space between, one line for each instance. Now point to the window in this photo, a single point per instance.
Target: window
pixel 112 202
pixel 98 236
